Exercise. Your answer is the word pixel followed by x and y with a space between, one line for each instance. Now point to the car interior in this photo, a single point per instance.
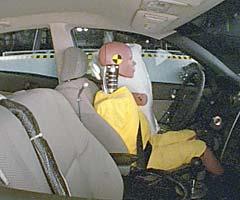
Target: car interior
pixel 54 145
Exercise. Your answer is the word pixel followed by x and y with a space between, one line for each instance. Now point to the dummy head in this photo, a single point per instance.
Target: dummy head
pixel 117 53
pixel 120 55
pixel 115 59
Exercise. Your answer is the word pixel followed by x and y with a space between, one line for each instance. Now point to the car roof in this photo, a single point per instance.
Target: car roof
pixel 156 18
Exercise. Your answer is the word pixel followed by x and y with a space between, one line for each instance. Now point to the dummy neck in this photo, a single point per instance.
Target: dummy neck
pixel 110 78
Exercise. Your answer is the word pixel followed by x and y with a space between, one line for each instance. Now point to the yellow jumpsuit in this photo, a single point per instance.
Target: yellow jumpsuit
pixel 169 150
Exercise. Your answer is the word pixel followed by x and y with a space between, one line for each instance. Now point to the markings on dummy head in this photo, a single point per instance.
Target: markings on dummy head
pixel 117 59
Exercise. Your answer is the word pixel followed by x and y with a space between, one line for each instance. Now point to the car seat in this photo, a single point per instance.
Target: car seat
pixel 87 167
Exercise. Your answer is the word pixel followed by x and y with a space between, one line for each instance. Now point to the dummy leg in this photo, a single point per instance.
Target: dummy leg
pixel 211 163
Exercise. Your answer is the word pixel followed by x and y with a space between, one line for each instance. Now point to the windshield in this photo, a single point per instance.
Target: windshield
pixel 218 31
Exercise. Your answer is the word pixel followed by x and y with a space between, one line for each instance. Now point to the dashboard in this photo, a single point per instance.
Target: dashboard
pixel 217 118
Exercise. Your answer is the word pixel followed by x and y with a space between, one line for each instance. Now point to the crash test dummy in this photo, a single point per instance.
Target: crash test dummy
pixel 120 108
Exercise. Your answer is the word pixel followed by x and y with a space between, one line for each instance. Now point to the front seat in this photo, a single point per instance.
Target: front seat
pixel 72 87
pixel 87 167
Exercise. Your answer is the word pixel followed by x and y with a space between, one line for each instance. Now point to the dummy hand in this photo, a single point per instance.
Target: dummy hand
pixel 140 98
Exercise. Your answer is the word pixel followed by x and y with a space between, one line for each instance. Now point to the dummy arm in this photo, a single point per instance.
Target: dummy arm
pixel 140 98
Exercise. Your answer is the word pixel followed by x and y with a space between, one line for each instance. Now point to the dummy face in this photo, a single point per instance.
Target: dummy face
pixel 110 50
pixel 127 68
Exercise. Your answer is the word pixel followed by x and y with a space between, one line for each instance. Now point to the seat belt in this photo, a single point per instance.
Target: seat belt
pixel 143 154
pixel 45 156
pixel 140 151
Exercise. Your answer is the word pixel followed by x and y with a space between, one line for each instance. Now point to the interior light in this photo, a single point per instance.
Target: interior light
pixel 151 21
pixel 157 6
pixel 85 29
pixel 79 29
pixel 147 41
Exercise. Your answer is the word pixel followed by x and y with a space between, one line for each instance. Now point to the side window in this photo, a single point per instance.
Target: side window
pixel 27 59
pixel 26 40
pixel 163 61
pixel 16 41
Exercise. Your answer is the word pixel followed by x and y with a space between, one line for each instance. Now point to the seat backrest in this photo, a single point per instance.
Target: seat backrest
pixel 72 82
pixel 87 167
pixel 141 83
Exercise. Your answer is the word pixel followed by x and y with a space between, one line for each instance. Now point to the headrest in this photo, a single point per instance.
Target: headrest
pixel 75 64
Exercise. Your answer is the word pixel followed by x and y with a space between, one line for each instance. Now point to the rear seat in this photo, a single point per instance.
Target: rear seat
pixel 89 170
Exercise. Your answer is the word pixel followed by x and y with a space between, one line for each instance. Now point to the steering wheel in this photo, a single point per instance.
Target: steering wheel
pixel 186 99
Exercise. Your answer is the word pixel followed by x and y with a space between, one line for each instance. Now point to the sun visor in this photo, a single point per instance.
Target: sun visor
pixel 151 22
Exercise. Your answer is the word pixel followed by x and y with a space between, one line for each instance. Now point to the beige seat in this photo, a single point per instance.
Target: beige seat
pixel 87 167
pixel 72 81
